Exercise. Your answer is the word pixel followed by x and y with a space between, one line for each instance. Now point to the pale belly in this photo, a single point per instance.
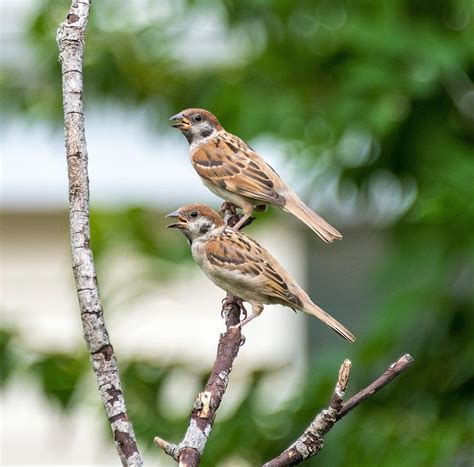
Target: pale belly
pixel 228 280
pixel 247 204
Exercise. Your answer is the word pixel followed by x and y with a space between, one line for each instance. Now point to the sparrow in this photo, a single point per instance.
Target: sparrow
pixel 239 265
pixel 232 170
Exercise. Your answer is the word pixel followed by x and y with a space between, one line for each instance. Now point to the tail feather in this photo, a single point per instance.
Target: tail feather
pixel 323 229
pixel 314 310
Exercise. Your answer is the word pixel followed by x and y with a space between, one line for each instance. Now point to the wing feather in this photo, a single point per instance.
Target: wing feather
pixel 238 256
pixel 228 162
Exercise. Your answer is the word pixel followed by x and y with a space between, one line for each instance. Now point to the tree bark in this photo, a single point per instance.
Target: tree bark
pixel 70 39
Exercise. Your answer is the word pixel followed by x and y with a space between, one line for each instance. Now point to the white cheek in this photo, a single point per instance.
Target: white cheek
pixel 198 139
pixel 202 228
pixel 194 229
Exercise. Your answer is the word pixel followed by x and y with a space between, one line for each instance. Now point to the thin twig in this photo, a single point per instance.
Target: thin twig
pixel 169 448
pixel 70 38
pixel 312 440
pixel 390 373
pixel 188 453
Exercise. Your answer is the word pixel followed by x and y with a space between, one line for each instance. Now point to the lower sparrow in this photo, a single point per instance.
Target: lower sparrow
pixel 240 266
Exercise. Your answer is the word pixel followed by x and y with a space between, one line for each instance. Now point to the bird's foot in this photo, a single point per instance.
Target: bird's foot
pixel 242 337
pixel 229 212
pixel 230 300
pixel 227 301
pixel 226 206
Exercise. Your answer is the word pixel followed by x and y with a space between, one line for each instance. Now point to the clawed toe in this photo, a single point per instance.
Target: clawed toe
pixel 226 206
pixel 238 327
pixel 231 300
pixel 226 301
pixel 243 310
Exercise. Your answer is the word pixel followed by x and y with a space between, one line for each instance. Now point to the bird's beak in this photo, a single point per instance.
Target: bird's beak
pixel 177 225
pixel 180 121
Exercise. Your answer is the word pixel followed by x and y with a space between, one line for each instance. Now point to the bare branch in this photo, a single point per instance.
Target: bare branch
pixel 312 440
pixel 390 373
pixel 190 450
pixel 170 449
pixel 70 38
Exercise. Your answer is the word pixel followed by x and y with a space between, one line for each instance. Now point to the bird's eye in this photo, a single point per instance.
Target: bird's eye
pixel 194 214
pixel 198 118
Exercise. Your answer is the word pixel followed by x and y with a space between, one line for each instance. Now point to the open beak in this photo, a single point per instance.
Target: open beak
pixel 181 224
pixel 180 121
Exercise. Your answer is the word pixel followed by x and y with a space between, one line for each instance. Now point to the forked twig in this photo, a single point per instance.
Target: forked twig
pixel 312 440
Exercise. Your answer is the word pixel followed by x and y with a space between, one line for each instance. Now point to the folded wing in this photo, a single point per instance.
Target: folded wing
pixel 240 259
pixel 228 162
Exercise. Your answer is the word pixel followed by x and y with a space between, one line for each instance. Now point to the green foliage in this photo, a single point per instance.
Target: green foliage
pixel 59 375
pixel 358 92
pixel 139 230
pixel 7 358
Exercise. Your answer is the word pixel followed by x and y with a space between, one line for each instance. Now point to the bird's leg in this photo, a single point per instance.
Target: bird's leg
pixel 226 302
pixel 256 311
pixel 243 310
pixel 242 221
pixel 231 300
pixel 229 212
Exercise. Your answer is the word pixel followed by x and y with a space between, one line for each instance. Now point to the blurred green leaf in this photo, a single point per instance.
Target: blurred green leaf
pixel 59 375
pixel 7 356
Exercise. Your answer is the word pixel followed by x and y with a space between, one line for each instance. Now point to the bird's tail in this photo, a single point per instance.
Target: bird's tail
pixel 324 230
pixel 314 310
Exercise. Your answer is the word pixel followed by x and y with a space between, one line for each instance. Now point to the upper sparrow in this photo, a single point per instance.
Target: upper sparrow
pixel 242 267
pixel 232 170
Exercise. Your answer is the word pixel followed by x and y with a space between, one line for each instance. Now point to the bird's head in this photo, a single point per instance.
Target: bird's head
pixel 195 221
pixel 196 124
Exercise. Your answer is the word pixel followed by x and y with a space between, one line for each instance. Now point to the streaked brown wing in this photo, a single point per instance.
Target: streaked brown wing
pixel 228 162
pixel 237 255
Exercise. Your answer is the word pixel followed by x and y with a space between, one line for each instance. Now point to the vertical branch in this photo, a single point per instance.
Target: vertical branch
pixel 70 38
pixel 207 402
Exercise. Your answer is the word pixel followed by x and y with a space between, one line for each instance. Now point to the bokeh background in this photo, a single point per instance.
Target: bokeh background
pixel 365 107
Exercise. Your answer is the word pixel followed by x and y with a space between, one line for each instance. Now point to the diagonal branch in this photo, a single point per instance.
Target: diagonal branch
pixel 70 38
pixel 388 375
pixel 188 453
pixel 312 440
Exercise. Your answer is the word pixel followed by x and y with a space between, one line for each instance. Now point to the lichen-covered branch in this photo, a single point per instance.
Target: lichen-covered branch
pixel 70 38
pixel 188 453
pixel 312 440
